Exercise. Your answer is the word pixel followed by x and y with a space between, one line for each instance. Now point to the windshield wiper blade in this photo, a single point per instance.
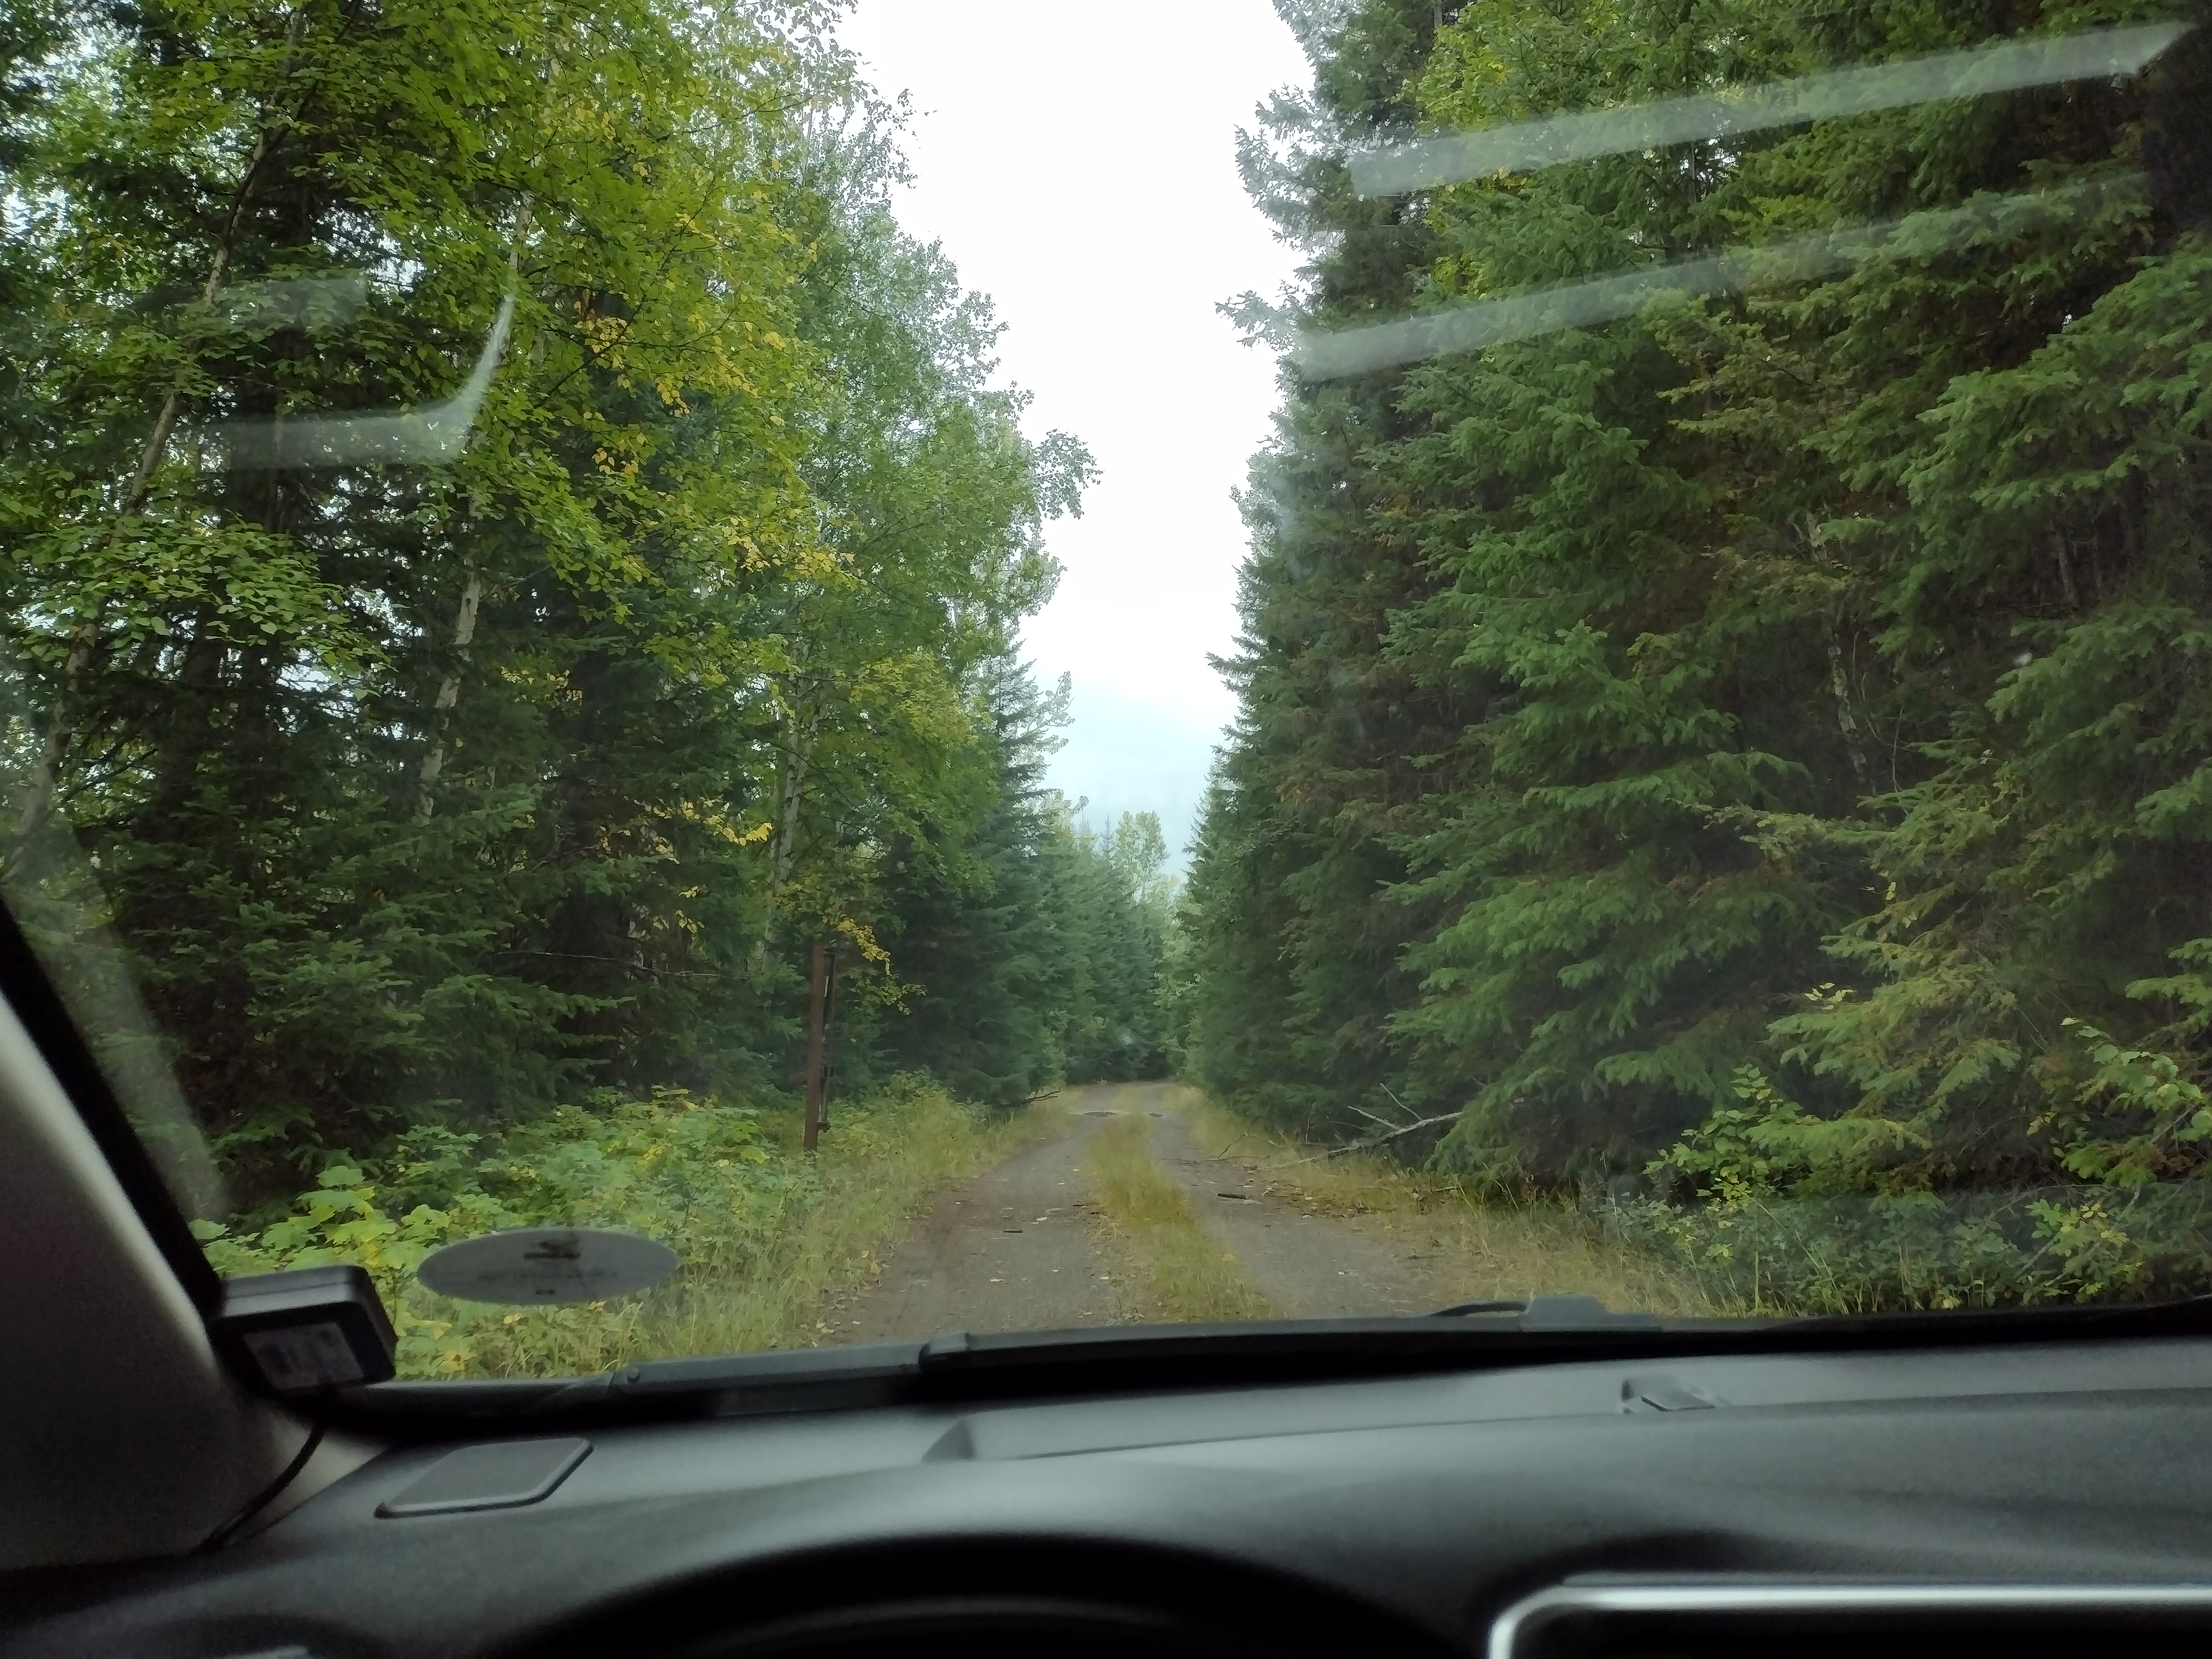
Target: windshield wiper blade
pixel 962 1367
pixel 1555 1312
pixel 1272 1346
pixel 962 1364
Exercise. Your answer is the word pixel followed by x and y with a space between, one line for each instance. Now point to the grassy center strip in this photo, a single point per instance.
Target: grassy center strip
pixel 1184 1274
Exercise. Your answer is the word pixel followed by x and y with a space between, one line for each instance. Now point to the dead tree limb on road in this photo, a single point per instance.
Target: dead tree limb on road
pixel 1373 1141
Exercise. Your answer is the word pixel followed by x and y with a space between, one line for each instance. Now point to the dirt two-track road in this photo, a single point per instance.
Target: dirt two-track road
pixel 1024 1246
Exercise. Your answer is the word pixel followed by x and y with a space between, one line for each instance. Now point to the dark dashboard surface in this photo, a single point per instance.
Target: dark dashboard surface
pixel 1400 1512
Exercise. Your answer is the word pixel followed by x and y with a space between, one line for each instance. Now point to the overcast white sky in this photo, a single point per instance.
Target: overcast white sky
pixel 1078 165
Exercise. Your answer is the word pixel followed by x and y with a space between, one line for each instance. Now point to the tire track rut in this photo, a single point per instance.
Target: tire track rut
pixel 1022 1246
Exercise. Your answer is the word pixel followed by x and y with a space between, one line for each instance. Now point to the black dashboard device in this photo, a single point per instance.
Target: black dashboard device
pixel 304 1331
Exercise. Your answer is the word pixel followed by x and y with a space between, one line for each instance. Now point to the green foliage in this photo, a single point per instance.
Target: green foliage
pixel 2133 1117
pixel 695 1174
pixel 1773 1208
pixel 712 1181
pixel 1802 683
pixel 1033 960
pixel 1116 901
pixel 1770 1144
pixel 429 794
pixel 1292 964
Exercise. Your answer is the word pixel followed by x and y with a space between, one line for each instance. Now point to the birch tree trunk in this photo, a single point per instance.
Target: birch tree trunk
pixel 449 694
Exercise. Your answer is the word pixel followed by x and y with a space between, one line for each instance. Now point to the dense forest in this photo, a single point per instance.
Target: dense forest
pixel 505 546
pixel 1760 747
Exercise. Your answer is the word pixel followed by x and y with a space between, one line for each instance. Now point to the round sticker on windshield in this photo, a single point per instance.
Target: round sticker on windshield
pixel 535 1265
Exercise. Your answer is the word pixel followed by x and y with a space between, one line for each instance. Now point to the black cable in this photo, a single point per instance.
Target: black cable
pixel 261 1500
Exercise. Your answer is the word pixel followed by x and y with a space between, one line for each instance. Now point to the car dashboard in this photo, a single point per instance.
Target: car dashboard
pixel 2021 1498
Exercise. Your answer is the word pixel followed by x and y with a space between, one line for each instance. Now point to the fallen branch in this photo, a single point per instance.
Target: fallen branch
pixel 1373 1141
pixel 1382 1122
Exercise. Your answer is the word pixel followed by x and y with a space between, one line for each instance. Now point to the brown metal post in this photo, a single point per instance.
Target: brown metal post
pixel 828 1038
pixel 817 986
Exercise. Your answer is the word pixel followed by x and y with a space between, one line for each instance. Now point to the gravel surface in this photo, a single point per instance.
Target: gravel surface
pixel 1020 1247
pixel 1016 1249
pixel 1310 1266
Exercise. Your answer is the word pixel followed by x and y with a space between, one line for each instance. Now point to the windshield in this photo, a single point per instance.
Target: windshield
pixel 1001 667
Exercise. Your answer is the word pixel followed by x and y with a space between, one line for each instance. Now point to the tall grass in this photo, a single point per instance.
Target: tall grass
pixel 1185 1274
pixel 768 1237
pixel 1478 1248
pixel 878 1170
